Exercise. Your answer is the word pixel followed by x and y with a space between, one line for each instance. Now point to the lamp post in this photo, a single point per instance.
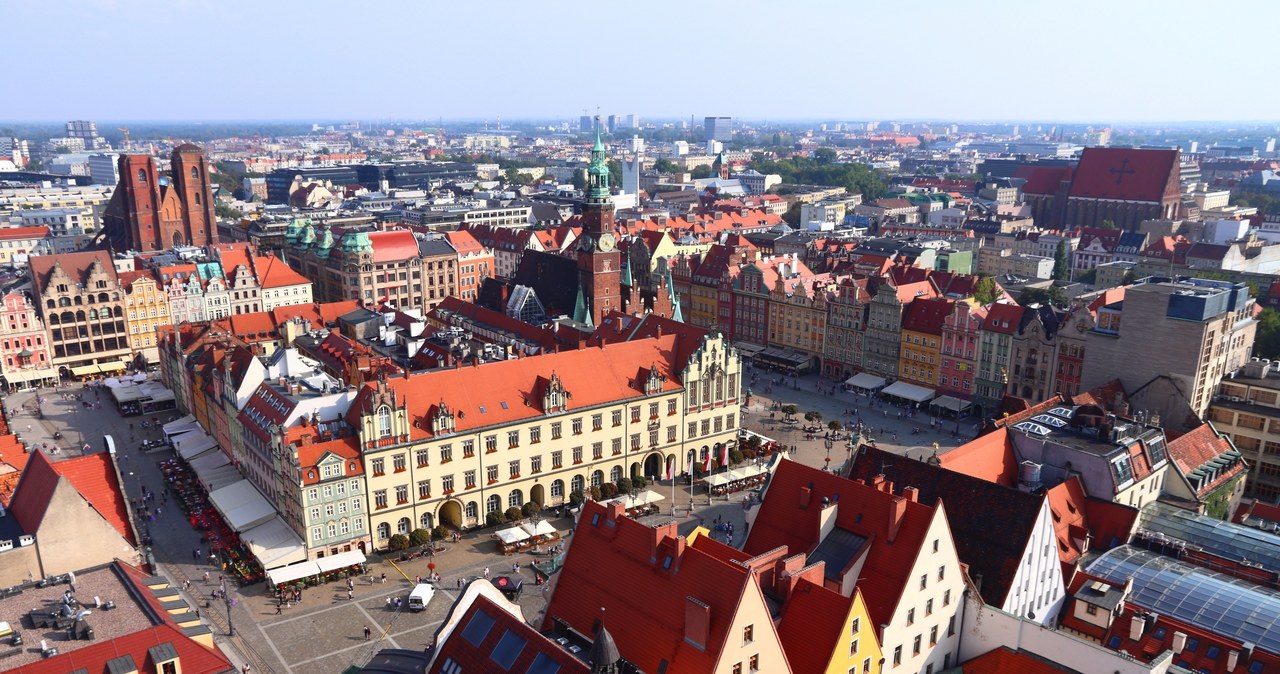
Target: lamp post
pixel 827 442
pixel 231 629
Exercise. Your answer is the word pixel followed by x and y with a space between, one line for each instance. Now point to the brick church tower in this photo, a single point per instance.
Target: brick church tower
pixel 150 212
pixel 599 262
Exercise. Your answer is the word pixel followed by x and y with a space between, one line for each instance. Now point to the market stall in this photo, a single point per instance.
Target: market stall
pixel 342 560
pixel 512 540
pixel 908 392
pixel 274 544
pixel 241 506
pixel 865 383
pixel 292 572
pixel 745 477
pixel 643 503
pixel 951 407
pixel 180 425
pixel 191 445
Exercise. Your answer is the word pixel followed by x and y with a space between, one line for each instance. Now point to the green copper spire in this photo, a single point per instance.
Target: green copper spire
pixel 598 171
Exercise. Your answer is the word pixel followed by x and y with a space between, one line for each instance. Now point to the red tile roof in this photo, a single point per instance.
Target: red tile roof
pixel 310 455
pixel 274 273
pixel 614 560
pixel 93 476
pixel 76 265
pixel 476 657
pixel 15 233
pixel 926 315
pixel 1128 174
pixel 1044 179
pixel 862 510
pixel 1003 660
pixel 464 242
pixel 812 626
pixel 13 459
pixel 1200 446
pixel 1003 318
pixel 989 457
pixel 393 245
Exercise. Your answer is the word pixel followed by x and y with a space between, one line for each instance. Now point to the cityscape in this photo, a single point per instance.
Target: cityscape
pixel 549 374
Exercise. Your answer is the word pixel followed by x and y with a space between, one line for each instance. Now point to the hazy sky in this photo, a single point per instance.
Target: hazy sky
pixel 1073 60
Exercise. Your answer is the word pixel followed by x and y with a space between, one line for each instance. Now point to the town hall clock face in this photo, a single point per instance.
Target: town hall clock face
pixel 607 243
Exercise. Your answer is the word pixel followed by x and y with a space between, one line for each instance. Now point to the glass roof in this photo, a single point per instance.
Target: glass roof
pixel 1225 539
pixel 1213 601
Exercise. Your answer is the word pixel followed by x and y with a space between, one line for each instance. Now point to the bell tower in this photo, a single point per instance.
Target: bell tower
pixel 599 263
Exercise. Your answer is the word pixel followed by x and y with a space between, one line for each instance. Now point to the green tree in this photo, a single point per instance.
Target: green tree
pixel 665 165
pixel 1108 224
pixel 624 485
pixel 639 482
pixel 440 533
pixel 530 509
pixel 1266 344
pixel 824 155
pixel 615 172
pixel 854 177
pixel 576 497
pixel 1061 264
pixel 835 425
pixel 813 416
pixel 701 172
pixel 1052 295
pixel 222 210
pixel 398 542
pixel 419 537
pixel 513 514
pixel 789 412
pixel 493 519
pixel 513 176
pixel 792 216
pixel 986 291
pixel 579 180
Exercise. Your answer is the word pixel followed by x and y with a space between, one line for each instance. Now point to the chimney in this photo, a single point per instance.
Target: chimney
pixel 697 622
pixel 911 494
pixel 1137 625
pixel 615 511
pixel 878 482
pixel 806 495
pixel 897 512
pixel 1233 657
pixel 1179 642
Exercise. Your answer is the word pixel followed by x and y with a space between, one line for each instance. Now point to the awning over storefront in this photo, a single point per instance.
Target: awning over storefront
pixel 901 389
pixel 273 543
pixel 642 499
pixel 511 536
pixel 735 475
pixel 190 448
pixel 84 370
pixel 541 528
pixel 241 506
pixel 950 404
pixel 865 381
pixel 172 427
pixel 288 574
pixel 341 560
pixel 214 479
pixel 30 374
pixel 784 358
pixel 747 349
pixel 109 367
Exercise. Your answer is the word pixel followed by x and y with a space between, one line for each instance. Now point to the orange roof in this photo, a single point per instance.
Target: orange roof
pixel 93 475
pixel 274 273
pixel 464 242
pixel 507 391
pixel 393 245
pixel 989 457
pixel 12 233
pixel 1200 446
pixel 234 256
pixel 13 459
pixel 196 659
pixel 863 510
pixel 310 456
pixel 812 626
pixel 1003 660
pixel 614 560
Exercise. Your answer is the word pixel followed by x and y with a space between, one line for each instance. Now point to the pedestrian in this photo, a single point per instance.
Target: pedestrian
pixel 384 577
pixel 279 608
pixel 515 567
pixel 350 595
pixel 367 632
pixel 195 556
pixel 245 669
pixel 206 577
pixel 486 573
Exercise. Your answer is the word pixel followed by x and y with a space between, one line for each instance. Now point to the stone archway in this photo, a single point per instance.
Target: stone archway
pixel 635 470
pixel 450 514
pixel 653 467
pixel 538 495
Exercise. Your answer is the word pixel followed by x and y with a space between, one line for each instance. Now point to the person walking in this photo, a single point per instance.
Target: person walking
pixel 350 595
pixel 486 573
pixel 367 632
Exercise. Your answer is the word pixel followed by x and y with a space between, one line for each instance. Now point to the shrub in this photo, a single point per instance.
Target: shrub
pixel 638 482
pixel 493 519
pixel 440 533
pixel 624 485
pixel 576 497
pixel 735 456
pixel 595 493
pixel 530 509
pixel 513 514
pixel 419 537
pixel 748 453
pixel 398 542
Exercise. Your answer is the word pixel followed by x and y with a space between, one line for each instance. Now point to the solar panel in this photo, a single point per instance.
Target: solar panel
pixel 1207 599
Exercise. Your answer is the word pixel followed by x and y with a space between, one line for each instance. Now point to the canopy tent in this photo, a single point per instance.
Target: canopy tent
pixel 511 536
pixel 642 499
pixel 540 528
pixel 219 477
pixel 172 427
pixel 950 404
pixel 100 368
pixel 193 427
pixel 288 574
pixel 783 358
pixel 735 475
pixel 901 389
pixel 190 448
pixel 29 374
pixel 865 381
pixel 274 544
pixel 341 560
pixel 241 506
pixel 209 461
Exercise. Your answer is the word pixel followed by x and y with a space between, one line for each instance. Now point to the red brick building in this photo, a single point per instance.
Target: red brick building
pixel 150 211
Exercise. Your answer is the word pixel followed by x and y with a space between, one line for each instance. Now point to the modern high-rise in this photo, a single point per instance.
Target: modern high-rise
pixel 86 131
pixel 104 168
pixel 718 128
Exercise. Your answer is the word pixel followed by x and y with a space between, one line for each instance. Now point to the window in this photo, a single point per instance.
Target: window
pixel 951 626
pixel 577 455
pixel 491 473
pixel 911 616
pixel 946 598
pixel 653 410
pixel 933 635
pixel 748 634
pixel 671 434
pixel 402 494
pixel 379 466
pixel 597 450
pixel 597 422
pixel 693 429
pixel 942 572
pixel 535 434
pixel 555 430
pixel 935 545
pixel 737 668
pixel 854 626
pixel 853 647
pixel 515 499
pixel 1212 652
pixel 754 663
pixel 535 464
pixel 421 456
pixel 490 443
pixel 671 406
pixel 384 421
pixel 928 608
pixel 924 581
pixel 915 645
pixel 468 448
pixel 380 498
pixel 446 484
pixel 897 655
pixel 557 489
pixel 514 469
pixel 635 414
pixel 513 438
pixel 617 417
pixel 355 503
pixel 469 478
pixel 1091 609
pixel 557 459
pixel 577 426
pixel 398 462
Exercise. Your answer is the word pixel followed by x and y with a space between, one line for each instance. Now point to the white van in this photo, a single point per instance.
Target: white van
pixel 421 596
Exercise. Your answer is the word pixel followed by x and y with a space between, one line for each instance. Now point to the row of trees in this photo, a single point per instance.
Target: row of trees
pixel 822 169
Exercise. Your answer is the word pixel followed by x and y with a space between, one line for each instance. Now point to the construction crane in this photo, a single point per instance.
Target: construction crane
pixel 125 131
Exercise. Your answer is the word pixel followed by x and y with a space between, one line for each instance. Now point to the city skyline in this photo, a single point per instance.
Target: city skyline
pixel 1025 62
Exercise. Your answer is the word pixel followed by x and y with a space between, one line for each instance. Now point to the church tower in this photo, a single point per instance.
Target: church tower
pixel 599 263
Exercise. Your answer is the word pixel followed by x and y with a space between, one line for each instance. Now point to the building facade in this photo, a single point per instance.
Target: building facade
pixel 25 360
pixel 150 212
pixel 83 306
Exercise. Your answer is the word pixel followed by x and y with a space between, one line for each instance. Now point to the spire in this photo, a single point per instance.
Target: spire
pixel 604 655
pixel 598 170
pixel 626 267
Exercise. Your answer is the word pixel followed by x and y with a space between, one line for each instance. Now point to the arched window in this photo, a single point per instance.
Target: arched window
pixel 597 478
pixel 404 526
pixel 515 499
pixel 557 489
pixel 80 315
pixel 198 202
pixel 142 176
pixel 78 300
pixel 427 521
pixel 472 511
pixel 615 474
pixel 577 483
pixel 103 297
pixel 384 421
pixel 68 317
pixel 493 504
pixel 64 301
pixel 384 531
pixel 53 320
pixel 51 304
pixel 195 173
pixel 119 312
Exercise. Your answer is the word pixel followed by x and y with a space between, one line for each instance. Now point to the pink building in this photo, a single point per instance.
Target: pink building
pixel 24 346
pixel 960 350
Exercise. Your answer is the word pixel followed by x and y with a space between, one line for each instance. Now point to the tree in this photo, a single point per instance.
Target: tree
pixel 440 533
pixel 813 416
pixel 419 537
pixel 665 165
pixel 789 411
pixel 576 497
pixel 624 485
pixel 513 514
pixel 222 210
pixel 735 456
pixel 1061 264
pixel 835 425
pixel 701 172
pixel 615 172
pixel 1108 224
pixel 513 176
pixel 824 155
pixel 639 482
pixel 792 216
pixel 579 180
pixel 398 542
pixel 1052 295
pixel 530 509
pixel 608 490
pixel 986 291
pixel 1267 342
pixel 493 519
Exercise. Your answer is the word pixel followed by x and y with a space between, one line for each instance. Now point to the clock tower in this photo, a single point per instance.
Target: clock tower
pixel 599 262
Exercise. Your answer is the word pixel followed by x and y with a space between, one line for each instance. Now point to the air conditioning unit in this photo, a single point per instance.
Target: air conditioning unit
pixel 25 540
pixel 6 545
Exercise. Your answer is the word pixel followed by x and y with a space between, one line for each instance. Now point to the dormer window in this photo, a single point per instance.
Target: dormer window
pixel 554 397
pixel 384 421
pixel 443 421
pixel 653 383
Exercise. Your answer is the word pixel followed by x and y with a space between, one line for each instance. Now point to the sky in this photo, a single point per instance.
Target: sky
pixel 1068 60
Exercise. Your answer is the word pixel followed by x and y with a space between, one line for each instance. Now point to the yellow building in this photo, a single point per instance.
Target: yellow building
pixel 455 447
pixel 798 314
pixel 921 351
pixel 146 310
pixel 857 649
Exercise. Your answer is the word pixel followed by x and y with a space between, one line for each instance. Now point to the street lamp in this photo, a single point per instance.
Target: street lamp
pixel 828 443
pixel 231 629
